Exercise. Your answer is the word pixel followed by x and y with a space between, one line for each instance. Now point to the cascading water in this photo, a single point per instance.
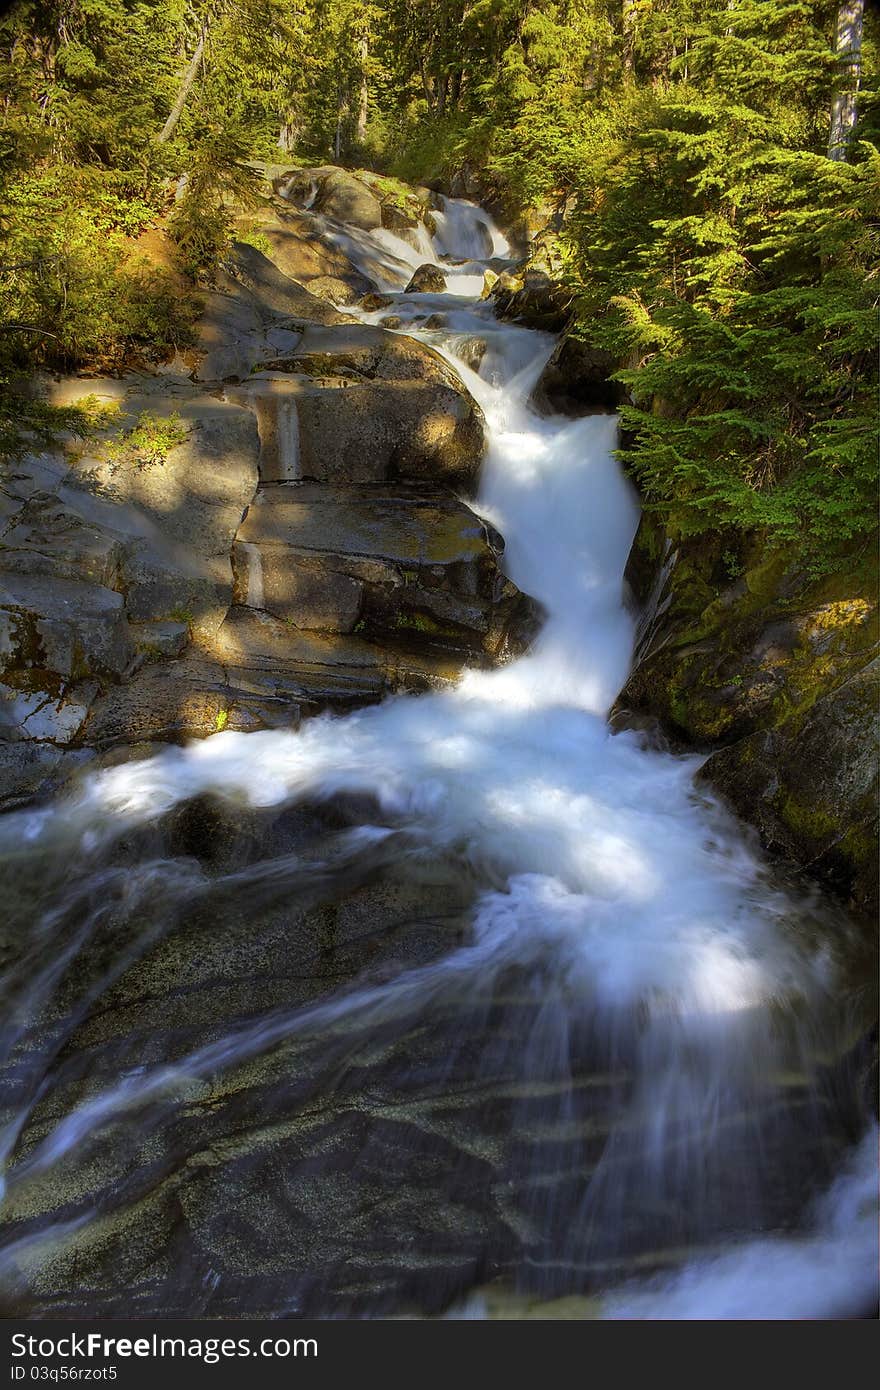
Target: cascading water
pixel 641 1054
pixel 465 232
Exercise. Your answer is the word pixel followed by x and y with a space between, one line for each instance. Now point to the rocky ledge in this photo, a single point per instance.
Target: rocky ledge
pixel 295 541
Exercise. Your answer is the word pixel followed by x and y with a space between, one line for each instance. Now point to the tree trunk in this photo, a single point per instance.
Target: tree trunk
pixel 628 24
pixel 189 78
pixel 288 135
pixel 848 49
pixel 340 111
pixel 360 132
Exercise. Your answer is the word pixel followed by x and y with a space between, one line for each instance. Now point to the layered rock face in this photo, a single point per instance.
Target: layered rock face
pixel 299 545
pixel 377 560
pixel 106 566
pixel 358 404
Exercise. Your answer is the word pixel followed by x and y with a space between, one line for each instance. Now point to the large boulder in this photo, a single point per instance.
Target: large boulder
pixel 333 291
pixel 362 199
pixel 427 279
pixel 293 241
pixel 577 380
pixel 347 199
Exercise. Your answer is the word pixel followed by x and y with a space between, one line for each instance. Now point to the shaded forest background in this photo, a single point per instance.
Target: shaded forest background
pixel 711 169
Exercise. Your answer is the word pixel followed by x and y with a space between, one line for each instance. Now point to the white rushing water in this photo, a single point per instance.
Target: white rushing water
pixel 638 900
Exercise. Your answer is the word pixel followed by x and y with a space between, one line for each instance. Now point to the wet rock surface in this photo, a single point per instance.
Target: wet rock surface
pixel 265 1187
pixel 577 380
pixel 427 279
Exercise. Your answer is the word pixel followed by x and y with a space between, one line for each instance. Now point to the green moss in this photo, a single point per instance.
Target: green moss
pixel 762 579
pixel 253 236
pixel 422 622
pixel 698 717
pixel 859 845
pixel 395 193
pixel 811 821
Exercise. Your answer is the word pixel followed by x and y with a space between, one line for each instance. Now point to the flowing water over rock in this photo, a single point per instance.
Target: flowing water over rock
pixel 453 989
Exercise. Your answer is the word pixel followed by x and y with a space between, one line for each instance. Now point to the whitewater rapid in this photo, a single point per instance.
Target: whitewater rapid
pixel 639 907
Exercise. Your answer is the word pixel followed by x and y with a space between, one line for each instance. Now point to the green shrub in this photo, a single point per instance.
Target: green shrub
pixel 146 443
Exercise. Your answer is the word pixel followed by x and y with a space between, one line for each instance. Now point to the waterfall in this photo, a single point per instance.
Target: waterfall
pixel 288 439
pixel 254 597
pixel 465 232
pixel 661 1009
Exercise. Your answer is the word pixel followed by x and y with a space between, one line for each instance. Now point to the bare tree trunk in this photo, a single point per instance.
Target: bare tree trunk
pixel 340 109
pixel 189 78
pixel 360 133
pixel 848 48
pixel 288 135
pixel 427 84
pixel 628 22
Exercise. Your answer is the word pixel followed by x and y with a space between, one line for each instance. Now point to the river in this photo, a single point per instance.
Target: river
pixel 684 1132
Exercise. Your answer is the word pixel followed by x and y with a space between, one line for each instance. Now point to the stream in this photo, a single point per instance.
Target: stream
pixel 658 1042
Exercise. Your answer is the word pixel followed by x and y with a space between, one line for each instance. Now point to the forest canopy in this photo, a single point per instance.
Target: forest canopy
pixel 713 169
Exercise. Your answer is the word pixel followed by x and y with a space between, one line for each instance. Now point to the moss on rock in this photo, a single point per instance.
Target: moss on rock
pixel 771 671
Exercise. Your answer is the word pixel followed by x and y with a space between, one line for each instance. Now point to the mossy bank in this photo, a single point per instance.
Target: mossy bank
pixel 772 672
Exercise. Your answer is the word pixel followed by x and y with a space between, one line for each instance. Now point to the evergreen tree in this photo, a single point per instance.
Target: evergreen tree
pixel 722 162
